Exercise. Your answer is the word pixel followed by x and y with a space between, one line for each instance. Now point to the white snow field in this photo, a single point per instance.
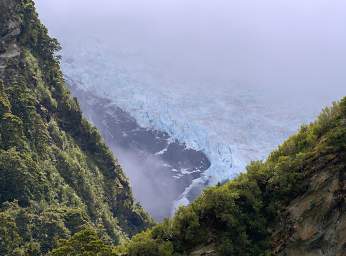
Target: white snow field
pixel 230 78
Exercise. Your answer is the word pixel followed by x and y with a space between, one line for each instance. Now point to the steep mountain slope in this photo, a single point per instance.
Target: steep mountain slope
pixel 56 174
pixel 291 204
pixel 57 178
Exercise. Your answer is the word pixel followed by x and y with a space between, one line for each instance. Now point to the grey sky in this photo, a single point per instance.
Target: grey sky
pixel 286 45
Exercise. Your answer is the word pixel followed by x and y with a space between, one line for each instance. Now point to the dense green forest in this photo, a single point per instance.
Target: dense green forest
pixel 63 193
pixel 56 174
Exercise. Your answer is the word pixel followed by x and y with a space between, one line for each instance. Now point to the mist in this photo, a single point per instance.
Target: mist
pixel 295 47
pixel 243 74
pixel 142 170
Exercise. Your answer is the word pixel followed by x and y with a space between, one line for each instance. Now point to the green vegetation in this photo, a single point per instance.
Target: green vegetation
pixel 56 174
pixel 237 218
pixel 86 243
pixel 63 193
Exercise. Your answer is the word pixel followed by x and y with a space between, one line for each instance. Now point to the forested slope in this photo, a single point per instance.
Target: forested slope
pixel 62 192
pixel 56 174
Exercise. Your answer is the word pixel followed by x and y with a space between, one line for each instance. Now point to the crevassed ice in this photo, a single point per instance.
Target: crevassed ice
pixel 226 122
pixel 152 108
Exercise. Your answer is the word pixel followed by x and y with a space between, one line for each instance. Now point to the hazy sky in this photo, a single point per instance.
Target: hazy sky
pixel 291 45
pixel 291 51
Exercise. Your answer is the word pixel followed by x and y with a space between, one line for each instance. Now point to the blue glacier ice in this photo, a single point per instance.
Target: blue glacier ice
pixel 226 77
pixel 230 124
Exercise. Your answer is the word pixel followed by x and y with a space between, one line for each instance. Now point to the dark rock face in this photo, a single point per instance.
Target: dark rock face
pixel 9 30
pixel 159 168
pixel 315 222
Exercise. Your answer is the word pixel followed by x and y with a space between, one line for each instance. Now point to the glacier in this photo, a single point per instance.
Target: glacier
pixel 224 77
pixel 228 123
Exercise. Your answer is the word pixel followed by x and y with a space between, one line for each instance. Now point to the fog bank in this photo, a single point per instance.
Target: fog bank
pixel 282 46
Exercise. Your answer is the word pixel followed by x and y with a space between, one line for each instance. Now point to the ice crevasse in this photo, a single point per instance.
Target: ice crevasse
pixel 208 120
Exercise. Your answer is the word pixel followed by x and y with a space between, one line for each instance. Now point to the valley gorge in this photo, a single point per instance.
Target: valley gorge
pixel 63 190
